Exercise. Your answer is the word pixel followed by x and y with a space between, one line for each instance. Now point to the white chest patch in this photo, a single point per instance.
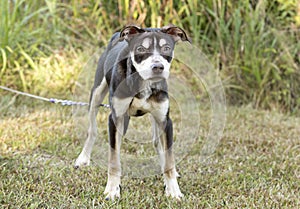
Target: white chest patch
pixel 148 105
pixel 139 104
pixel 158 109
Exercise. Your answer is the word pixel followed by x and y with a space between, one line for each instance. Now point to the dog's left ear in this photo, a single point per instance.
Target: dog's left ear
pixel 129 31
pixel 176 32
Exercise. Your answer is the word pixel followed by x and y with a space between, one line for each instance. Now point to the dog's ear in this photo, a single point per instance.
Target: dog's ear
pixel 176 32
pixel 129 31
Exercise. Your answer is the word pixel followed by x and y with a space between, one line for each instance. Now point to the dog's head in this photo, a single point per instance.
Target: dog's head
pixel 151 50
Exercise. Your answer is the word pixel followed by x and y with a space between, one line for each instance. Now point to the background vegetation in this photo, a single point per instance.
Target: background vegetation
pixel 255 44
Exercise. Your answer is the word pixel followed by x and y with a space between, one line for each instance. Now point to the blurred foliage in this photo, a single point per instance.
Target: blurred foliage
pixel 255 43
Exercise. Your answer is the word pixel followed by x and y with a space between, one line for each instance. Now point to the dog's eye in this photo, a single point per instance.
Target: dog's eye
pixel 166 48
pixel 140 49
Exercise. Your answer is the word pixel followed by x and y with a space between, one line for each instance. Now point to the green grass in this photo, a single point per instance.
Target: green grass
pixel 256 164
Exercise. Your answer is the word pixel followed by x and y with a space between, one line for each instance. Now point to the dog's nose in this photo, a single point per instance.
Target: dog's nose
pixel 157 68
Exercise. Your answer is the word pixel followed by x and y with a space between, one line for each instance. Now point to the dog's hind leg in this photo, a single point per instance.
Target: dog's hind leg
pixel 97 97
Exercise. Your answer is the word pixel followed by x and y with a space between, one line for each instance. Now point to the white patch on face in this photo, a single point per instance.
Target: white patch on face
pixel 146 43
pixel 145 67
pixel 162 42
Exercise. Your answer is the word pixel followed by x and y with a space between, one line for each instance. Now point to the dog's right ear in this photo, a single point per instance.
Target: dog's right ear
pixel 129 31
pixel 176 32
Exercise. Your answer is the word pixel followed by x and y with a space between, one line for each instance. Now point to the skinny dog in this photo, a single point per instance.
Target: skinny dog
pixel 134 69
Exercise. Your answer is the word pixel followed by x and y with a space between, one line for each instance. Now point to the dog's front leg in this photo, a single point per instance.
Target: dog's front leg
pixel 163 141
pixel 117 123
pixel 112 189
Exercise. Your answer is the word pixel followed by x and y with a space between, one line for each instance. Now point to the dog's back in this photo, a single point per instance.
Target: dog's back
pixel 108 58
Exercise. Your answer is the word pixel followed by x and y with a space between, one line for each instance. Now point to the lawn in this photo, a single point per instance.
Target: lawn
pixel 255 165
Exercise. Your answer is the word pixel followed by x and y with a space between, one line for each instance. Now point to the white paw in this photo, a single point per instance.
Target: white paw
pixel 172 188
pixel 82 160
pixel 113 188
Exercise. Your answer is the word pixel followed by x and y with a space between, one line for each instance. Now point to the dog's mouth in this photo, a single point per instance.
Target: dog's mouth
pixel 156 77
pixel 152 76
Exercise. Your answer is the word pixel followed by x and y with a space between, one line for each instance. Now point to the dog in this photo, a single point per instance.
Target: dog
pixel 134 69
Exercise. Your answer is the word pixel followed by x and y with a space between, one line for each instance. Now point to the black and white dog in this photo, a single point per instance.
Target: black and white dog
pixel 134 69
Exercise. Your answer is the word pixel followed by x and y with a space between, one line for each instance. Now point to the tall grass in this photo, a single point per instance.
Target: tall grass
pixel 28 32
pixel 255 43
pixel 258 56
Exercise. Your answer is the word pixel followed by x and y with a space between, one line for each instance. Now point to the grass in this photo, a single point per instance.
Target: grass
pixel 256 164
